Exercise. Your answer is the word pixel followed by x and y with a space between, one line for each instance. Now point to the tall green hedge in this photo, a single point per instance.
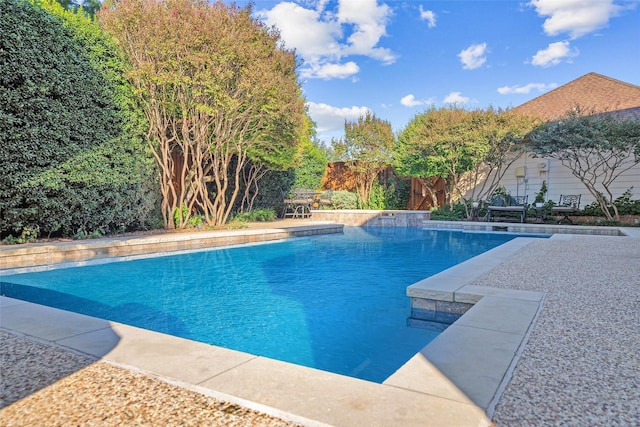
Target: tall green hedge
pixel 72 154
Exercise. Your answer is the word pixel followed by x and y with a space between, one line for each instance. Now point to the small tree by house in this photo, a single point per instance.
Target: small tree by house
pixel 597 148
pixel 505 132
pixel 463 147
pixel 441 142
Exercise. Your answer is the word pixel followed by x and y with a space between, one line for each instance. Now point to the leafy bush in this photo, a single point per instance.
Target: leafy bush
pixel 627 206
pixel 543 212
pixel 181 214
pixel 395 195
pixel 28 234
pixel 592 209
pixel 344 200
pixel 398 193
pixel 377 197
pixel 311 166
pixel 456 212
pixel 257 215
pixel 73 151
pixel 84 234
pixel 624 203
pixel 272 189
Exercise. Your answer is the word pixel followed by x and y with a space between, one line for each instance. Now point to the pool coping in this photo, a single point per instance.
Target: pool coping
pixel 457 379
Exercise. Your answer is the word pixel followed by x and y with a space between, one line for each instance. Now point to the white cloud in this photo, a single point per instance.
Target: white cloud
pixel 473 56
pixel 429 16
pixel 368 21
pixel 304 29
pixel 331 119
pixel 540 87
pixel 455 98
pixel 575 17
pixel 330 71
pixel 410 101
pixel 554 54
pixel 323 38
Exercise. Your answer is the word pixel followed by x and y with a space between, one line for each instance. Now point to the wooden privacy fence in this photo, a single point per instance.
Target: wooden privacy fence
pixel 420 198
pixel 338 176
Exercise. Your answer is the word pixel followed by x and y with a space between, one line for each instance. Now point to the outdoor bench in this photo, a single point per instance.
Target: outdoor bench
pixel 507 206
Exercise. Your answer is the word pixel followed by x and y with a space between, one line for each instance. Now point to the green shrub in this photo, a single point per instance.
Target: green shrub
pixel 73 152
pixel 627 206
pixel 624 203
pixel 312 164
pixel 377 197
pixel 29 234
pixel 257 215
pixel 456 212
pixel 84 234
pixel 343 199
pixel 272 189
pixel 181 214
pixel 397 193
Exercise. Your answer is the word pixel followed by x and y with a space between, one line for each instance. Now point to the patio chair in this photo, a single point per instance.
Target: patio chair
pixel 569 204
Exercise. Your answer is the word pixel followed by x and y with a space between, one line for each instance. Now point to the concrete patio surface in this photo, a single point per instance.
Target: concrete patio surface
pixel 552 340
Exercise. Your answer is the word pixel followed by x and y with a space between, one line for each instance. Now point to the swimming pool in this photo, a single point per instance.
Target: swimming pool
pixel 333 302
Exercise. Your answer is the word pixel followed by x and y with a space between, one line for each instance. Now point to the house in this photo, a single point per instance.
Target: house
pixel 591 92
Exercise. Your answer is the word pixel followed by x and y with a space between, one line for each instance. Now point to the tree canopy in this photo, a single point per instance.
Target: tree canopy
pixel 219 90
pixel 367 150
pixel 449 142
pixel 596 147
pixel 72 157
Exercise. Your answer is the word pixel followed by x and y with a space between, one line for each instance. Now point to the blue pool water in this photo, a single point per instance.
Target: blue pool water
pixel 332 302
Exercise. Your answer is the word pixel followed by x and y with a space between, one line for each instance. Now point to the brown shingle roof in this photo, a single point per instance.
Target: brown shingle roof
pixel 591 92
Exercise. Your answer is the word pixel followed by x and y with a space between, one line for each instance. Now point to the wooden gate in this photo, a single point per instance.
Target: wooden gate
pixel 420 197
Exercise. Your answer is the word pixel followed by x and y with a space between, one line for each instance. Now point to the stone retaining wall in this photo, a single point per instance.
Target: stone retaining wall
pixel 362 218
pixel 43 253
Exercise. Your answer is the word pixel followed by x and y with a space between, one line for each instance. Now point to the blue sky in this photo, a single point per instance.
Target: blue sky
pixel 397 58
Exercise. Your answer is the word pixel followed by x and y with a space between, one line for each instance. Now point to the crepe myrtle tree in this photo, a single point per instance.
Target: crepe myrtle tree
pixel 219 91
pixel 504 131
pixel 366 150
pixel 596 147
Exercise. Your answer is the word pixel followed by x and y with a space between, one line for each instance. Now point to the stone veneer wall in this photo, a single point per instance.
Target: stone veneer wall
pixel 42 254
pixel 363 218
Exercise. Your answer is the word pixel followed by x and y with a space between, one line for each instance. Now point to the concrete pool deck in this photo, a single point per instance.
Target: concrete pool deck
pixel 468 371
